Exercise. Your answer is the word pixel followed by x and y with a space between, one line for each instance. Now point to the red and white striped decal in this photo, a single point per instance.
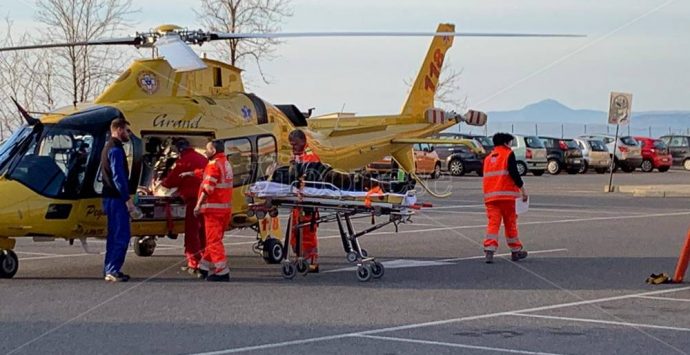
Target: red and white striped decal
pixel 435 116
pixel 475 118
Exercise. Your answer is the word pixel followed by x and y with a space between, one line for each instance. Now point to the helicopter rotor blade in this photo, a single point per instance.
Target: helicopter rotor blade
pixel 228 35
pixel 179 54
pixel 133 41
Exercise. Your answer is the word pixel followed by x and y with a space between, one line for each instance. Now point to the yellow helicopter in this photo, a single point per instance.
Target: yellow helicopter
pixel 49 168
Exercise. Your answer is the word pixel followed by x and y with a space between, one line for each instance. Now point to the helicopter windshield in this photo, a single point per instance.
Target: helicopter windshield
pixel 54 164
pixel 11 145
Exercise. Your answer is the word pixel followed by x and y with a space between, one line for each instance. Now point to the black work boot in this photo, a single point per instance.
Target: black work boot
pixel 518 255
pixel 489 256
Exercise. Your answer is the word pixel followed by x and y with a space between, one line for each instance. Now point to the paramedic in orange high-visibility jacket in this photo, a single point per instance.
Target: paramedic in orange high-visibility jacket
pixel 502 185
pixel 215 205
pixel 301 153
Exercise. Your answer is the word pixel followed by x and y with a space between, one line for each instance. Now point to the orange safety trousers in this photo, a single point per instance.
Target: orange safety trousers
pixel 310 244
pixel 214 260
pixel 497 211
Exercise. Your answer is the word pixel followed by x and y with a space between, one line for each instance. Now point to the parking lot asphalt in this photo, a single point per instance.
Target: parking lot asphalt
pixel 580 291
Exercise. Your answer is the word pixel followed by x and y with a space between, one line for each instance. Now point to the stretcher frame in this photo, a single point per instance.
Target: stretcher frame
pixel 334 209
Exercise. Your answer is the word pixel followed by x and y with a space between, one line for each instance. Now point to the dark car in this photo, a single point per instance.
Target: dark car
pixel 562 154
pixel 484 141
pixel 679 146
pixel 458 159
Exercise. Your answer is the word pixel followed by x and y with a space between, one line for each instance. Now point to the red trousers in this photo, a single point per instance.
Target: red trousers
pixel 310 244
pixel 214 259
pixel 501 210
pixel 194 240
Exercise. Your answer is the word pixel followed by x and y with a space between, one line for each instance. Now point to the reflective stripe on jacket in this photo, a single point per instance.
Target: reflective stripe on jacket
pixel 497 183
pixel 217 183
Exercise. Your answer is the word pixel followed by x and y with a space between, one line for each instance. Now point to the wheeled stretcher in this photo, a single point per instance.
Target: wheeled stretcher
pixel 333 205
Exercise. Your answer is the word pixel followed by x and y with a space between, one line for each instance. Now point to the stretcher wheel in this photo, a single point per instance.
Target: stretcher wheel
pixel 377 270
pixel 144 246
pixel 289 271
pixel 352 257
pixel 9 264
pixel 273 251
pixel 260 214
pixel 273 212
pixel 303 266
pixel 364 273
pixel 250 213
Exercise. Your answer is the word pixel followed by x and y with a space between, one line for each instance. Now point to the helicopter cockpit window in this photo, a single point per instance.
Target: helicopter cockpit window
pixel 55 164
pixel 239 153
pixel 267 156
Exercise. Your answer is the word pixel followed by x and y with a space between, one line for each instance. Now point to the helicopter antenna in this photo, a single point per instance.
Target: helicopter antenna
pixel 337 121
pixel 29 119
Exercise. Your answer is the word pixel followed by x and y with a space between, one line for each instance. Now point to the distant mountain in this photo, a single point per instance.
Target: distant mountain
pixel 552 111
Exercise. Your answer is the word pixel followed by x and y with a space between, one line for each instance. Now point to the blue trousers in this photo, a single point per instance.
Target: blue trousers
pixel 118 234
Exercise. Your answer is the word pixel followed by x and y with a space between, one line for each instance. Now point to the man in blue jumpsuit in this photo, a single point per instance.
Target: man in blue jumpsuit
pixel 116 201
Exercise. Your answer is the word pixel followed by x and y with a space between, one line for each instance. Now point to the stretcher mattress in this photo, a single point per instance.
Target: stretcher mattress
pixel 264 189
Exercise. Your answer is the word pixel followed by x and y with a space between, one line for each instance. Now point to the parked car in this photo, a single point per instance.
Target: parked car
pixel 530 154
pixel 480 142
pixel 628 154
pixel 595 154
pixel 562 154
pixel 426 162
pixel 679 146
pixel 655 154
pixel 458 159
pixel 486 142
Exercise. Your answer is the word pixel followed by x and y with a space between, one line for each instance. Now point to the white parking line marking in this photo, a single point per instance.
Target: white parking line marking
pixel 33 253
pixel 455 206
pixel 531 252
pixel 440 322
pixel 665 298
pixel 597 321
pixel 407 263
pixel 456 345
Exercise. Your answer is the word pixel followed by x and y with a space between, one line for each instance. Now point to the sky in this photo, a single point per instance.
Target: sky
pixel 636 46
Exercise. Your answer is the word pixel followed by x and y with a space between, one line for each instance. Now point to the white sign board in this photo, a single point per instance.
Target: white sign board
pixel 620 108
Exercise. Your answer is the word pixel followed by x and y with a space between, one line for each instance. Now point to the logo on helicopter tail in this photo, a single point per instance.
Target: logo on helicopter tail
pixel 148 82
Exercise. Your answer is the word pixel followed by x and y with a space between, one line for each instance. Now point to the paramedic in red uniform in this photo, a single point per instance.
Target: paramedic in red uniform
pixel 502 186
pixel 215 205
pixel 188 188
pixel 301 153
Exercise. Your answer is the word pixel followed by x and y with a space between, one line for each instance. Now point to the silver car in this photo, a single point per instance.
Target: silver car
pixel 530 154
pixel 596 155
pixel 628 154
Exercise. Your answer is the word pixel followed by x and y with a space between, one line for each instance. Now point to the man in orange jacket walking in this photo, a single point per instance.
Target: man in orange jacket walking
pixel 502 185
pixel 215 204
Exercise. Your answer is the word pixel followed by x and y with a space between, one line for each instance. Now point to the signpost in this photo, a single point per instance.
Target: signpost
pixel 620 109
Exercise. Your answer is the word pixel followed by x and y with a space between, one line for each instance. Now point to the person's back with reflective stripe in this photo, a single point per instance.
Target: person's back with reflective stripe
pixel 502 184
